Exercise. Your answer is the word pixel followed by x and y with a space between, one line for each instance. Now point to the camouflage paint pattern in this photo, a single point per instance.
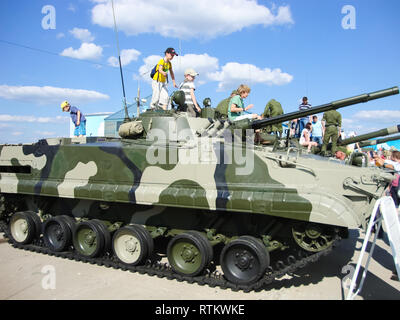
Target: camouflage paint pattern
pixel 114 170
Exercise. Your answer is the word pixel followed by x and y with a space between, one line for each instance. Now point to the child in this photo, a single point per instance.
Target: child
pixel 187 86
pixel 77 118
pixel 236 107
pixel 305 140
pixel 160 80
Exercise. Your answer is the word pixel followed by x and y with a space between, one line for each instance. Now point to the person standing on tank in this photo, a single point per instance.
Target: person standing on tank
pixel 301 123
pixel 188 87
pixel 160 80
pixel 333 123
pixel 77 118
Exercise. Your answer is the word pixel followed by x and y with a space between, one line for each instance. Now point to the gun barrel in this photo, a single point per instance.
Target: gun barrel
pixel 325 107
pixel 378 141
pixel 363 137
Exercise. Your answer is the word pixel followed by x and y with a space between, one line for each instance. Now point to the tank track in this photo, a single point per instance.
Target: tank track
pixel 163 270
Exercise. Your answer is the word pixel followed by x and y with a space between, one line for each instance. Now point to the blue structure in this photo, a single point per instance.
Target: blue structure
pixel 94 124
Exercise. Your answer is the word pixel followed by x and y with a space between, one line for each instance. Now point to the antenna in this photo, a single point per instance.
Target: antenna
pixel 138 100
pixel 120 66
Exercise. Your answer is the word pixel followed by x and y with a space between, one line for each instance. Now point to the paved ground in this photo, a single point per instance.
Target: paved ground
pixel 27 275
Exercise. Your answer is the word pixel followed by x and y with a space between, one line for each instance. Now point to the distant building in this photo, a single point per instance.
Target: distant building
pixel 106 124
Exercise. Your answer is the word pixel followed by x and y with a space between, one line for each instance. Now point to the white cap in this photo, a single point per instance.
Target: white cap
pixel 191 72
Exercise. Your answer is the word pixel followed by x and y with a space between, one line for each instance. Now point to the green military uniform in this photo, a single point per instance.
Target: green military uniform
pixel 222 108
pixel 333 120
pixel 273 109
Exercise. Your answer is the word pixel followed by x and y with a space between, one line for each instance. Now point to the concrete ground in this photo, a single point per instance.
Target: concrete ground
pixel 27 275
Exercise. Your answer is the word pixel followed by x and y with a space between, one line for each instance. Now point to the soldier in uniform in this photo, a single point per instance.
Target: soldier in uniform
pixel 333 122
pixel 222 107
pixel 273 109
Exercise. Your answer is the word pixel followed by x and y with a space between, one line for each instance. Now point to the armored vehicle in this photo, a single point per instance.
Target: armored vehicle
pixel 191 191
pixel 360 158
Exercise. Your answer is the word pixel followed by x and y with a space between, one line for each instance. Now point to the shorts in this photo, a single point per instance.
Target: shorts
pixel 80 130
pixel 317 139
pixel 160 94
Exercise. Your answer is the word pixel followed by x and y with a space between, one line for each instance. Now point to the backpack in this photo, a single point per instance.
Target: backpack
pixel 153 71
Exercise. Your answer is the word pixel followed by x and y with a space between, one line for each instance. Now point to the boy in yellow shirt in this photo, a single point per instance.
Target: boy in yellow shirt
pixel 160 80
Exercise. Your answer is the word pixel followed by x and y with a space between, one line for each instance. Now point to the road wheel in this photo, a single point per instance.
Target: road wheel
pixel 57 235
pixel 22 228
pixel 132 244
pixel 38 223
pixel 88 239
pixel 244 260
pixel 187 254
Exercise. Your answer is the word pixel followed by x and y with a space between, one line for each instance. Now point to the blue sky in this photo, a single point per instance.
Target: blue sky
pixel 281 49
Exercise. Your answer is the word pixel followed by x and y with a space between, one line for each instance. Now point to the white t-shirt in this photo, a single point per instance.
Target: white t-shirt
pixel 395 164
pixel 303 138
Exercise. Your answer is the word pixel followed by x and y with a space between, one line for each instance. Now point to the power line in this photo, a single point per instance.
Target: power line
pixel 57 54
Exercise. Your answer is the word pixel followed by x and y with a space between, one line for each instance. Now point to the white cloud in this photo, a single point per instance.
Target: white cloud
pixel 12 118
pixel 60 35
pixel 202 63
pixel 176 18
pixel 378 115
pixel 127 56
pixel 49 95
pixel 82 34
pixel 365 121
pixel 87 51
pixel 233 74
pixel 230 76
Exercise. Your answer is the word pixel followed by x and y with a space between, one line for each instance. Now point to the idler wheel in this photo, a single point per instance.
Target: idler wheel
pixel 244 260
pixel 90 238
pixel 23 228
pixel 189 253
pixel 57 234
pixel 132 244
pixel 312 237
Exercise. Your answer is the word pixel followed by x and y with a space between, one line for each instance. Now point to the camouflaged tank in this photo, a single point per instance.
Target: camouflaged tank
pixel 184 198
